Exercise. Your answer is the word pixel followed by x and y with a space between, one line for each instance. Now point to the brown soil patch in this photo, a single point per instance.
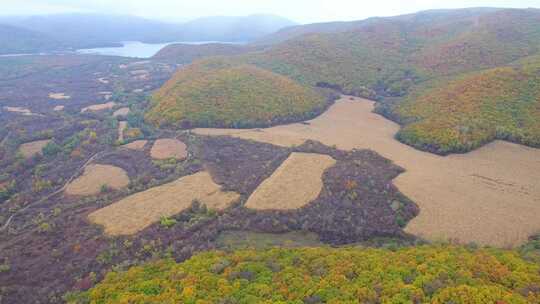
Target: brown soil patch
pixel 99 107
pixel 20 110
pixel 168 148
pixel 136 212
pixel 296 183
pixel 137 145
pixel 490 196
pixel 122 112
pixel 138 72
pixel 59 96
pixel 94 177
pixel 32 148
pixel 121 128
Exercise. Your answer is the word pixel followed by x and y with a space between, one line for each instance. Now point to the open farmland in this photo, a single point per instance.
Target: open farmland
pixel 296 183
pixel 95 177
pixel 141 210
pixel 137 145
pixel 167 148
pixel 32 148
pixel 489 196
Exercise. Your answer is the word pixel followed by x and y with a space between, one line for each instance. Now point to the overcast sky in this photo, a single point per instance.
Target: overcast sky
pixel 303 11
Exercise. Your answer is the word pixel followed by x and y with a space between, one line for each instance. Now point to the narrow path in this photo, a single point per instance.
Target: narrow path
pixel 49 196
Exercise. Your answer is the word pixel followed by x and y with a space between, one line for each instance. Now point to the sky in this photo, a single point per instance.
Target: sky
pixel 302 11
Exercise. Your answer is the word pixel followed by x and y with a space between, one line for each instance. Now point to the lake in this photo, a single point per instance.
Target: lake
pixel 136 49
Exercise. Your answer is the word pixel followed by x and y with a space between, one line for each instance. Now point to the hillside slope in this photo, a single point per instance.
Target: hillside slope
pixel 426 274
pixel 187 53
pixel 216 93
pixel 393 59
pixel 232 29
pixel 469 110
pixel 15 40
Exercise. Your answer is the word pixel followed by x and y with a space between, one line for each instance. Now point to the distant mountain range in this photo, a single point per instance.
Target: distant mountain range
pixel 19 40
pixel 75 31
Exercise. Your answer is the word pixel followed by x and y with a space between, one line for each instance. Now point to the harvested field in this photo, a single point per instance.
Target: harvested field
pixel 296 183
pixel 58 96
pixel 490 196
pixel 99 107
pixel 136 212
pixel 20 110
pixel 168 148
pixel 122 112
pixel 96 176
pixel 137 145
pixel 121 128
pixel 32 148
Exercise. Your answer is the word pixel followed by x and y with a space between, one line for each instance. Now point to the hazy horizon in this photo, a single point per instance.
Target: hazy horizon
pixel 301 11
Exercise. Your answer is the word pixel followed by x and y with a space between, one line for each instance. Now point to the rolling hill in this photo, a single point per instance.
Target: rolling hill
pixel 15 40
pixel 393 59
pixel 469 110
pixel 216 93
pixel 187 53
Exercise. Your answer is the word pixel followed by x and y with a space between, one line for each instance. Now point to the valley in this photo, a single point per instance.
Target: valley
pixel 385 160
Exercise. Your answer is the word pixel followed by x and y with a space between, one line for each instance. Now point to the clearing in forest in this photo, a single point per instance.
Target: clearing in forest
pixel 32 148
pixel 20 110
pixel 296 183
pixel 167 148
pixel 59 96
pixel 137 145
pixel 97 176
pixel 121 128
pixel 122 112
pixel 490 196
pixel 99 107
pixel 138 211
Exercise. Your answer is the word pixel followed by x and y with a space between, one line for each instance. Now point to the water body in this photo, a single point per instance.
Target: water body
pixel 136 49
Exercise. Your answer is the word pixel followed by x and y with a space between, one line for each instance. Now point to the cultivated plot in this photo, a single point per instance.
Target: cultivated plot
pixel 138 211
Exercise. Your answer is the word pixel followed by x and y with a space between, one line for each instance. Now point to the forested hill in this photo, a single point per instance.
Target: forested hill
pixel 389 59
pixel 19 40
